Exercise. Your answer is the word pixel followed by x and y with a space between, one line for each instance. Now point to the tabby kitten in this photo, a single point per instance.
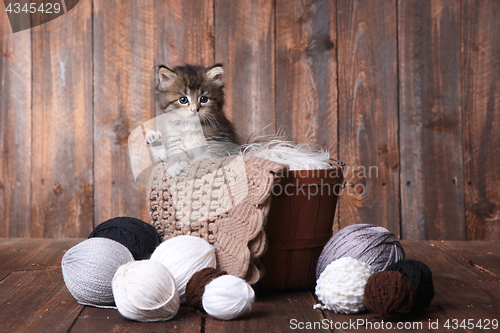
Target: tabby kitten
pixel 193 124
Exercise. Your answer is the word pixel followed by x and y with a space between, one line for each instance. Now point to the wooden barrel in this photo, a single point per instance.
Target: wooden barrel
pixel 299 224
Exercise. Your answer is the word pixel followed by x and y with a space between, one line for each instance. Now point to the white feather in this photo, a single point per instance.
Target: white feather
pixel 296 156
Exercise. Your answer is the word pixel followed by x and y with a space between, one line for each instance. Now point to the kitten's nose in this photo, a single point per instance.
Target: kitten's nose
pixel 194 109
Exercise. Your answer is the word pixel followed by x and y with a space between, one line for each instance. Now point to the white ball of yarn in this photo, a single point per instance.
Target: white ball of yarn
pixel 228 297
pixel 145 291
pixel 88 269
pixel 341 285
pixel 183 256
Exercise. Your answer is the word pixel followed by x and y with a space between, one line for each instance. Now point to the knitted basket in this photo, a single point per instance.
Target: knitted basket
pixel 224 201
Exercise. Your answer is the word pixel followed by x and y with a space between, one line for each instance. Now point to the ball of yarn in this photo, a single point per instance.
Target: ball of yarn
pixel 183 256
pixel 222 296
pixel 145 291
pixel 341 285
pixel 420 275
pixel 138 236
pixel 88 269
pixel 196 285
pixel 368 243
pixel 389 295
pixel 228 297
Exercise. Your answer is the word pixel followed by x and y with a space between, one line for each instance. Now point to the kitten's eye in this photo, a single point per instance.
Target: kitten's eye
pixel 183 100
pixel 203 99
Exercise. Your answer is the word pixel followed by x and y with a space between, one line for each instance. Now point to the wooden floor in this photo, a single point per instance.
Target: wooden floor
pixel 33 297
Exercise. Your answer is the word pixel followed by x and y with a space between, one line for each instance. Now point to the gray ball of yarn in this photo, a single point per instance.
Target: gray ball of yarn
pixel 88 269
pixel 369 243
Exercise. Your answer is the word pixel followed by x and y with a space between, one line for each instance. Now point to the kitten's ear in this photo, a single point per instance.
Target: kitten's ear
pixel 165 76
pixel 215 73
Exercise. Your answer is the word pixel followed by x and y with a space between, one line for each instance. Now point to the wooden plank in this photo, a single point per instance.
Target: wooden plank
pixel 461 290
pixel 31 300
pixel 14 252
pixel 62 180
pixel 50 255
pixel 15 131
pixel 415 322
pixel 274 312
pixel 34 301
pixel 482 255
pixel 306 71
pixel 481 105
pixel 368 115
pixel 110 320
pixel 244 44
pixel 123 99
pixel 430 76
pixel 32 254
pixel 185 32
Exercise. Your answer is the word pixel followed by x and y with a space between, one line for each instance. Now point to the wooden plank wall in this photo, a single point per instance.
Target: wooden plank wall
pixel 406 92
pixel 431 119
pixel 62 152
pixel 368 112
pixel 123 34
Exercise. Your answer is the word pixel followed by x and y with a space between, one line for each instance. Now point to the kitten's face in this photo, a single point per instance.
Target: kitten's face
pixel 192 89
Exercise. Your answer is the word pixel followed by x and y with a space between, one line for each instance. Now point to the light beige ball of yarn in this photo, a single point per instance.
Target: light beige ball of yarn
pixel 145 291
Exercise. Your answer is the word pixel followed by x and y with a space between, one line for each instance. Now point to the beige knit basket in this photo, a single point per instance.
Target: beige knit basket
pixel 221 200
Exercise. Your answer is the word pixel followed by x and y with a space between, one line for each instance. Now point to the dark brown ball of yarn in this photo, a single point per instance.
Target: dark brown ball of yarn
pixel 196 285
pixel 389 295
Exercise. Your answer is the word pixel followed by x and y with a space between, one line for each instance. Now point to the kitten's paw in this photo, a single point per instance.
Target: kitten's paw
pixel 153 138
pixel 175 169
pixel 159 154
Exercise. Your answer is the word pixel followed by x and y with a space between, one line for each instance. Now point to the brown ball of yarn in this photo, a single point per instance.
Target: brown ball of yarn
pixel 420 275
pixel 196 285
pixel 389 295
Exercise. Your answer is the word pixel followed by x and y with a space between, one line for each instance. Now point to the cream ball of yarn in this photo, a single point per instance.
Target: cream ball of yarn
pixel 88 269
pixel 341 286
pixel 228 297
pixel 183 256
pixel 145 291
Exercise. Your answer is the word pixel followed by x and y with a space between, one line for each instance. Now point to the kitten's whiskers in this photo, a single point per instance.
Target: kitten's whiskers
pixel 213 121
